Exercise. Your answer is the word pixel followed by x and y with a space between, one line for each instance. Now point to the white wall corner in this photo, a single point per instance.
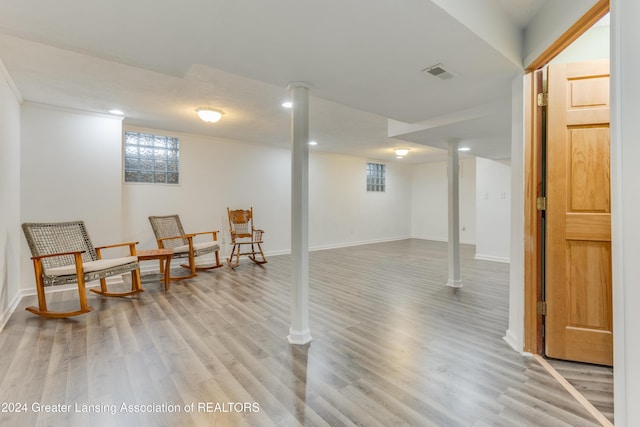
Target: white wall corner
pixel 10 82
pixel 482 257
pixel 513 340
pixel 4 317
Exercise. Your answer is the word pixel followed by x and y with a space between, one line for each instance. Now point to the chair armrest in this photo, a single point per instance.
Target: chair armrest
pixel 77 255
pixel 189 237
pixel 39 257
pixel 132 248
pixel 117 245
pixel 214 233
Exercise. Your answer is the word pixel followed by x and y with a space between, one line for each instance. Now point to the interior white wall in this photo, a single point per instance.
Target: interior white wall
pixel 625 205
pixel 429 201
pixel 493 209
pixel 515 333
pixel 342 212
pixel 215 174
pixel 553 19
pixel 9 197
pixel 593 44
pixel 70 169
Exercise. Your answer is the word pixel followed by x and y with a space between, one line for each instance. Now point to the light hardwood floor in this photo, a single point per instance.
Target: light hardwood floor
pixel 392 345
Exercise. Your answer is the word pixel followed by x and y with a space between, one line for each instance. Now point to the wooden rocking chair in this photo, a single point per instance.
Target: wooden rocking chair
pixel 243 233
pixel 170 235
pixel 63 253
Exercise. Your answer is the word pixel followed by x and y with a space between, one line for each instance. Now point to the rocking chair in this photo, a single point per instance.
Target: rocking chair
pixel 63 253
pixel 243 233
pixel 170 235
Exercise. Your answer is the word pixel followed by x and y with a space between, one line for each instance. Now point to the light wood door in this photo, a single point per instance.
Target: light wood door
pixel 579 321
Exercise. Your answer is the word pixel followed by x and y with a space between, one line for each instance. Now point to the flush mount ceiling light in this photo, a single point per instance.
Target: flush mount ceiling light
pixel 209 115
pixel 401 152
pixel 287 104
pixel 313 143
pixel 464 149
pixel 117 112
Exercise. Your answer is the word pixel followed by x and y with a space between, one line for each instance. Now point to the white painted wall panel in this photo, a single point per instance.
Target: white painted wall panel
pixel 10 234
pixel 429 201
pixel 493 209
pixel 70 169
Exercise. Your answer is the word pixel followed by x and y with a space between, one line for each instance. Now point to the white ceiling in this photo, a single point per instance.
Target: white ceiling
pixel 158 61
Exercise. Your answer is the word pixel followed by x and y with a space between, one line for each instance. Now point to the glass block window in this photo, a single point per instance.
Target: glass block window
pixel 375 177
pixel 151 158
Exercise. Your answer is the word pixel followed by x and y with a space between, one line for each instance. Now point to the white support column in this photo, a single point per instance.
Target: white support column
pixel 454 216
pixel 299 332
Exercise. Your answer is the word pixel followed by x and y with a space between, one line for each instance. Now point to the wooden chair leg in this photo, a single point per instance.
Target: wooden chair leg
pixel 235 251
pixel 43 311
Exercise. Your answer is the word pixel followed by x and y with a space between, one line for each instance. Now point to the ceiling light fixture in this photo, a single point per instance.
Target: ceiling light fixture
pixel 117 112
pixel 401 152
pixel 464 149
pixel 287 104
pixel 313 143
pixel 209 115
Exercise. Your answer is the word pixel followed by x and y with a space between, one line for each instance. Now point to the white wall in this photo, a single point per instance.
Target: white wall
pixel 70 169
pixel 553 19
pixel 515 334
pixel 217 173
pixel 593 44
pixel 342 212
pixel 625 205
pixel 429 201
pixel 10 234
pixel 493 209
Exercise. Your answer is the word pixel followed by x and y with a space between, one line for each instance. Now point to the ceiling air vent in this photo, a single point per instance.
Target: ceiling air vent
pixel 439 71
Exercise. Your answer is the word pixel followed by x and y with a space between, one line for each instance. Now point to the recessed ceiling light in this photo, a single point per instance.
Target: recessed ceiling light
pixel 313 143
pixel 287 104
pixel 117 112
pixel 464 149
pixel 401 152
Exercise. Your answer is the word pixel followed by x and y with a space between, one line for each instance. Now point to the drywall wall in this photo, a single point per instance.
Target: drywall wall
pixel 215 174
pixel 553 19
pixel 70 169
pixel 10 234
pixel 493 209
pixel 342 212
pixel 515 333
pixel 218 173
pixel 429 201
pixel 593 44
pixel 625 205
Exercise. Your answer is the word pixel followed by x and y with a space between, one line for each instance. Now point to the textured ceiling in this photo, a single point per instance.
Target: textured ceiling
pixel 158 61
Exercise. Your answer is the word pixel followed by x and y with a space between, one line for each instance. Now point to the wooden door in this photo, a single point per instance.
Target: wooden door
pixel 579 321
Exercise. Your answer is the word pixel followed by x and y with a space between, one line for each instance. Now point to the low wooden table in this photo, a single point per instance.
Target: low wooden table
pixel 162 255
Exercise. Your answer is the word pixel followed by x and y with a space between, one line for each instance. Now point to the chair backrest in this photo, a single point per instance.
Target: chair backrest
pixel 168 226
pixel 60 237
pixel 240 222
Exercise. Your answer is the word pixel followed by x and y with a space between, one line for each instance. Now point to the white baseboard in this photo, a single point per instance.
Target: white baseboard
pixel 492 258
pixel 512 340
pixel 10 309
pixel 441 239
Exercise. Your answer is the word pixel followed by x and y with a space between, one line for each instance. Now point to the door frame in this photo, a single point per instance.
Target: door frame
pixel 533 339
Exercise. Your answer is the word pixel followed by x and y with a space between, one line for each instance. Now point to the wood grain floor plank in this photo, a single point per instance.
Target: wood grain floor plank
pixel 392 345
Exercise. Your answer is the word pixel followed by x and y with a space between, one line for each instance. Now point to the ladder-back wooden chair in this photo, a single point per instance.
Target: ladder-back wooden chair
pixel 170 235
pixel 63 253
pixel 243 233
